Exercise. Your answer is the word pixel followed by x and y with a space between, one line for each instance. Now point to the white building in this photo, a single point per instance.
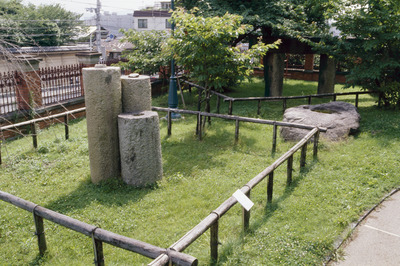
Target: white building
pixel 113 22
pixel 151 20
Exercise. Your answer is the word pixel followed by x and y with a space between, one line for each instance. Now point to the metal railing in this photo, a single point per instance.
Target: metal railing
pixel 9 82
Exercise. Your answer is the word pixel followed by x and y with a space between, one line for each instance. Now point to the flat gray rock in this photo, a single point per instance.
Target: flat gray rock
pixel 340 118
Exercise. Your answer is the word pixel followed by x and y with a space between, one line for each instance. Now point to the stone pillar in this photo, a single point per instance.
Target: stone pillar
pixel 103 105
pixel 139 133
pixel 140 147
pixel 29 91
pixel 274 67
pixel 327 74
pixel 136 93
pixel 309 63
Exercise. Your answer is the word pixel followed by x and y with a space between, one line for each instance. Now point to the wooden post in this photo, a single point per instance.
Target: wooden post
pixel 66 127
pixel 199 100
pixel 199 125
pixel 237 131
pixel 259 107
pixel 316 140
pixel 380 99
pixel 270 188
pixel 98 250
pixel 274 133
pixel 214 241
pixel 40 233
pixel 34 135
pixel 289 170
pixel 334 97
pixel 303 155
pixel 230 107
pixel 357 100
pixel 246 216
pixel 169 120
pixel 218 103
pixel 284 105
pixel 309 100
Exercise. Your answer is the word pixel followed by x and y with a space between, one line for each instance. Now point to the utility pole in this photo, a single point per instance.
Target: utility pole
pixel 98 26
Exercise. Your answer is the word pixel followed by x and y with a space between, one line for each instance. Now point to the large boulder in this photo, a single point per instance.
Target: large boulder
pixel 340 118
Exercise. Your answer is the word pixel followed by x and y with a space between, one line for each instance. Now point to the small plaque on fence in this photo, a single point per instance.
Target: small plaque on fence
pixel 243 200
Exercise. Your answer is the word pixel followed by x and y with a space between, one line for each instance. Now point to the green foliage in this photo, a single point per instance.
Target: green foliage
pixel 202 45
pixel 371 40
pixel 44 25
pixel 146 56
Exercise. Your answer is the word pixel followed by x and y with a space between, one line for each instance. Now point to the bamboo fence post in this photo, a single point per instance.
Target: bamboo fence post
pixel 237 131
pixel 40 233
pixel 34 135
pixel 199 101
pixel 169 120
pixel 274 134
pixel 66 127
pixel 218 103
pixel 259 107
pixel 199 118
pixel 98 251
pixel 316 140
pixel 214 241
pixel 289 170
pixel 303 155
pixel 357 100
pixel 270 188
pixel 230 107
pixel 284 104
pixel 246 216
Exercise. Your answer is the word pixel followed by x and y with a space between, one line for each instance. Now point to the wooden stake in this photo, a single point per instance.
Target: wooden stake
pixel 237 131
pixel 214 241
pixel 316 140
pixel 66 127
pixel 289 170
pixel 270 188
pixel 246 216
pixel 40 233
pixel 230 107
pixel 169 120
pixel 34 135
pixel 303 155
pixel 274 133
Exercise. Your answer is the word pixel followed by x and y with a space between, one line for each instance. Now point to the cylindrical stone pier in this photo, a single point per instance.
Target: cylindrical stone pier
pixel 103 105
pixel 136 93
pixel 140 148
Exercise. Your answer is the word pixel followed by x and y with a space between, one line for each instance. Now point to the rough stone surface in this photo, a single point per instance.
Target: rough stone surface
pixel 340 118
pixel 103 105
pixel 136 94
pixel 140 148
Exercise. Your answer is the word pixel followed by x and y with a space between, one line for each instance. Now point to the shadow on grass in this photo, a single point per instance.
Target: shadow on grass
pixel 269 210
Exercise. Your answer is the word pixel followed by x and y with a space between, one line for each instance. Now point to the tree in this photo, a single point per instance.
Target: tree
pixel 202 45
pixel 370 41
pixel 44 25
pixel 146 56
pixel 272 19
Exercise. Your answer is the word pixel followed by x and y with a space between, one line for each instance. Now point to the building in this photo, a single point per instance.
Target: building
pixel 151 20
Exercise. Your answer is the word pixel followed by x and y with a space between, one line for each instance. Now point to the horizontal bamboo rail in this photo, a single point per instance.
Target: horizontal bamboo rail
pixel 211 221
pixel 33 122
pixel 98 234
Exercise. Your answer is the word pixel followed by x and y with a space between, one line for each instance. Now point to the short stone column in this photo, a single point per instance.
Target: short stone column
pixel 136 93
pixel 29 92
pixel 103 105
pixel 140 147
pixel 139 133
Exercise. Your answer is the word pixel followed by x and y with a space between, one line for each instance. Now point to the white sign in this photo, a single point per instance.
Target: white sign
pixel 243 200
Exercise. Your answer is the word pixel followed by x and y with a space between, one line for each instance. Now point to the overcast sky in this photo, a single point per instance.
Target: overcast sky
pixel 79 6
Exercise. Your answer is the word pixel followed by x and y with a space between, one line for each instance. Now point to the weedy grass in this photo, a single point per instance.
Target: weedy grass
pixel 298 227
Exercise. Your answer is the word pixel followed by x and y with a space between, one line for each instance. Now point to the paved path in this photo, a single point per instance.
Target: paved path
pixel 376 240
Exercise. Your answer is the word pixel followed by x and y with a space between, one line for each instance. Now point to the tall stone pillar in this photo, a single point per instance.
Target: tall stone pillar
pixel 139 134
pixel 327 74
pixel 103 105
pixel 274 69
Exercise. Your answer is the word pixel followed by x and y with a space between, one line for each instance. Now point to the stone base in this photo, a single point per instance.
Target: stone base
pixel 140 148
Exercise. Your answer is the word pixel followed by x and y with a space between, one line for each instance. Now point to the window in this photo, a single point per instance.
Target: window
pixel 142 23
pixel 167 24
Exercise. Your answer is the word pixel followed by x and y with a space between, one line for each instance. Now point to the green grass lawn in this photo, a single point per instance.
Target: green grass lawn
pixel 298 227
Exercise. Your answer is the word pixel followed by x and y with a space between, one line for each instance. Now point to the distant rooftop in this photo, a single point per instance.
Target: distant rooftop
pixel 48 49
pixel 152 13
